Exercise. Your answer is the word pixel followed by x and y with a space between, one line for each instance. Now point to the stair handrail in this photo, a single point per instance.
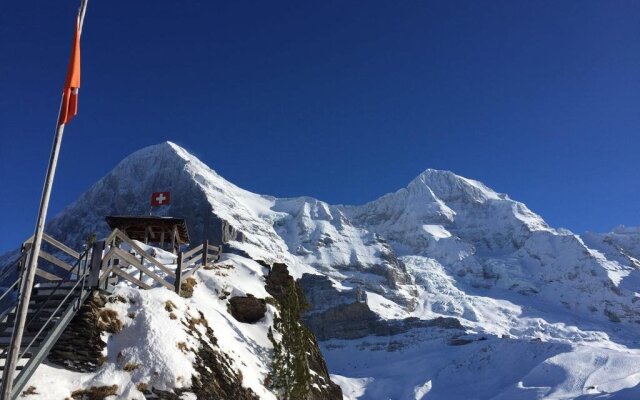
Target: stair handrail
pixel 66 279
pixel 55 312
pixel 139 250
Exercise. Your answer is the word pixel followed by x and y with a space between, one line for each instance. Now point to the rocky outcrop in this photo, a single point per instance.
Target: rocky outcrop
pixel 281 285
pixel 80 347
pixel 215 379
pixel 334 314
pixel 356 320
pixel 247 309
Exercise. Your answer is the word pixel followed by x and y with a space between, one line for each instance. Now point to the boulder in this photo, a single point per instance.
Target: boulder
pixel 247 309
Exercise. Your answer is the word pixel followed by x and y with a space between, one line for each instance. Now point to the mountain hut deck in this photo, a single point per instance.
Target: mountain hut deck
pixel 164 232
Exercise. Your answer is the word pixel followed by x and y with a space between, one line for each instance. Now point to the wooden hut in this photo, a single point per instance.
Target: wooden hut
pixel 165 232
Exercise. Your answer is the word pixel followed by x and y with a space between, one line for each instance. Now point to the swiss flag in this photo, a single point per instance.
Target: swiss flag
pixel 160 198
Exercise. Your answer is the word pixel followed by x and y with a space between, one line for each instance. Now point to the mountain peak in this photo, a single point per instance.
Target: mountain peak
pixel 448 186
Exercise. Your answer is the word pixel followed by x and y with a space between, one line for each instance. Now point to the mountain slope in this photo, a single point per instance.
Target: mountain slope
pixel 546 313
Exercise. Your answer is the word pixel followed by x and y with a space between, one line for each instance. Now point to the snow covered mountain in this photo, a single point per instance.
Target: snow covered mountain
pixel 444 289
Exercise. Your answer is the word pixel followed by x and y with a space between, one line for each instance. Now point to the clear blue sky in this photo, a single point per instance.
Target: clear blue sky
pixel 340 100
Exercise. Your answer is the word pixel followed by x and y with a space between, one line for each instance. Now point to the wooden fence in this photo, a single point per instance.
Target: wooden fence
pixel 117 263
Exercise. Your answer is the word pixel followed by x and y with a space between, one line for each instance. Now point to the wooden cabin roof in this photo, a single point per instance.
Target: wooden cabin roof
pixel 135 226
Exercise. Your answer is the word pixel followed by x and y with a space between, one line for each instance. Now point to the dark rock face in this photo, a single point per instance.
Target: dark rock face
pixel 247 308
pixel 356 320
pixel 346 315
pixel 278 284
pixel 215 379
pixel 80 346
pixel 278 281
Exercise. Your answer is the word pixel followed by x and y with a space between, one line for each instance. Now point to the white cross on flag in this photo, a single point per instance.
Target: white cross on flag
pixel 160 199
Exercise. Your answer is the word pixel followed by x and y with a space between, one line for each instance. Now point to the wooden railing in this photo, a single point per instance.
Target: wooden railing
pixel 55 267
pixel 60 289
pixel 117 263
pixel 189 262
pixel 66 278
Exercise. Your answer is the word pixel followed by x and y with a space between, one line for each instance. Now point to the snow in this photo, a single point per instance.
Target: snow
pixel 549 314
pixel 151 339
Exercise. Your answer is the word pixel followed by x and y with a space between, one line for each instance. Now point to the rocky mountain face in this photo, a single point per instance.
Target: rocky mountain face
pixel 445 269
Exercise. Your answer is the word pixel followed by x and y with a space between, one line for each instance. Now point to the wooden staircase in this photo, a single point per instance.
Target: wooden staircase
pixel 53 303
pixel 65 279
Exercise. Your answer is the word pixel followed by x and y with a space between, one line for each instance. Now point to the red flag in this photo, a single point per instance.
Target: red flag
pixel 160 199
pixel 72 83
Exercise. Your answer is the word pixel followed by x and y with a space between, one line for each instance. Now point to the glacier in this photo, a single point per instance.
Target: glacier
pixel 452 290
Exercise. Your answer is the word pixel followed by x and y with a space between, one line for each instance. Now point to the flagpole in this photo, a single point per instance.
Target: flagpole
pixel 29 275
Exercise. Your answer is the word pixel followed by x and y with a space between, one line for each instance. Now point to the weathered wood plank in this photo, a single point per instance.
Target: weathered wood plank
pixel 96 265
pixel 112 236
pixel 61 246
pixel 215 249
pixel 194 260
pixel 178 281
pixel 57 262
pixel 55 243
pixel 108 257
pixel 190 272
pixel 47 275
pixel 143 253
pixel 191 252
pixel 130 278
pixel 135 263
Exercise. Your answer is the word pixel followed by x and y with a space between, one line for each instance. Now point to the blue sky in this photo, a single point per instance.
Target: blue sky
pixel 340 100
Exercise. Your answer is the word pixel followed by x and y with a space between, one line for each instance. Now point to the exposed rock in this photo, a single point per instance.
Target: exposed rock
pixel 80 347
pixel 215 379
pixel 278 281
pixel 278 284
pixel 247 308
pixel 356 320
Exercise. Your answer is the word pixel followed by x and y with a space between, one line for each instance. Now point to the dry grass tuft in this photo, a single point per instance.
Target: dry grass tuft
pixel 29 391
pixel 186 289
pixel 131 315
pixel 169 305
pixel 117 298
pixel 173 316
pixel 183 347
pixel 108 321
pixel 130 367
pixel 142 386
pixel 95 393
pixel 196 321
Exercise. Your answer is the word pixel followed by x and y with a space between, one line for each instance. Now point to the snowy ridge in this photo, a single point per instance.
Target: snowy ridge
pixel 549 314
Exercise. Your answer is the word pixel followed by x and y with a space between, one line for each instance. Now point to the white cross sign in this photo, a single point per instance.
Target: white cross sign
pixel 160 198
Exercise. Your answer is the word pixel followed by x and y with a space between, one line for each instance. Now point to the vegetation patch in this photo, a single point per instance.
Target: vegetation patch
pixel 187 287
pixel 183 347
pixel 108 321
pixel 130 367
pixel 169 305
pixel 289 375
pixel 95 393
pixel 29 391
pixel 142 386
pixel 118 298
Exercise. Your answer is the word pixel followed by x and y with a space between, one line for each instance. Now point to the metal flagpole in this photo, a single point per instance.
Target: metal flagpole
pixel 29 274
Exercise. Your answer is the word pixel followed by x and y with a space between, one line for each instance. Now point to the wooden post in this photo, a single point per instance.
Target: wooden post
pixel 146 235
pixel 96 263
pixel 174 235
pixel 178 282
pixel 162 239
pixel 29 275
pixel 205 253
